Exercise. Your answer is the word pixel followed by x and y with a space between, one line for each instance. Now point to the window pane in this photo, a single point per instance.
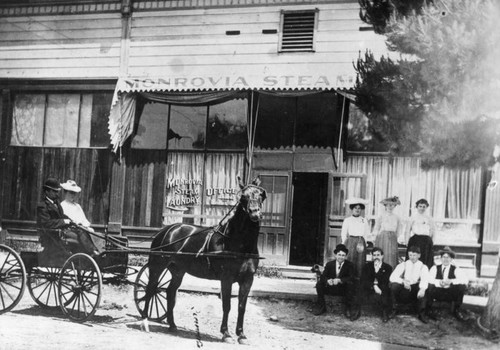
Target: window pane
pixel 99 136
pixel 152 129
pixel 60 120
pixel 183 188
pixel 227 125
pixel 275 122
pixel 274 207
pixel 85 118
pixel 187 127
pixel 221 184
pixel 27 120
pixel 317 117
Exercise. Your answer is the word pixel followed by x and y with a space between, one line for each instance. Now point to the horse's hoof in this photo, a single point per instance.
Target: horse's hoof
pixel 145 325
pixel 243 340
pixel 172 328
pixel 226 338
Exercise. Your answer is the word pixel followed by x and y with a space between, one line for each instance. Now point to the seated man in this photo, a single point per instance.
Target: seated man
pixel 447 282
pixel 53 225
pixel 375 282
pixel 409 282
pixel 338 278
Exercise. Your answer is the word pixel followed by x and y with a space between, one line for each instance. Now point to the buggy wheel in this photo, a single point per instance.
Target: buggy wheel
pixel 12 278
pixel 43 285
pixel 157 310
pixel 80 285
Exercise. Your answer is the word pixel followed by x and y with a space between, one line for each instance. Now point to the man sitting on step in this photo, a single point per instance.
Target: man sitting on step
pixel 447 282
pixel 338 278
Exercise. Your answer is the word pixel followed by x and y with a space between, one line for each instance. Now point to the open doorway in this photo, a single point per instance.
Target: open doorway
pixel 307 237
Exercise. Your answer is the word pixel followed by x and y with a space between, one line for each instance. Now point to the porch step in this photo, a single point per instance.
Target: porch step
pixel 297 272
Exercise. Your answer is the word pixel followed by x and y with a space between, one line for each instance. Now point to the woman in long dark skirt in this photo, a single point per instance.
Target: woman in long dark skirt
pixel 355 229
pixel 421 230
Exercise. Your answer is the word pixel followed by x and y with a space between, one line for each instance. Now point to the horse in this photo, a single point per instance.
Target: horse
pixel 227 252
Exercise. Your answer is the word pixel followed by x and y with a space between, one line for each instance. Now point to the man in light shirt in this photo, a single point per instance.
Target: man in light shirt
pixel 447 282
pixel 409 282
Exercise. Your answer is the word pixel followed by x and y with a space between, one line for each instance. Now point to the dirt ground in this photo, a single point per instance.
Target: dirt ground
pixel 269 324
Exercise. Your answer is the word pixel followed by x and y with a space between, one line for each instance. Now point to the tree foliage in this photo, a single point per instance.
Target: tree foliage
pixel 439 95
pixel 378 13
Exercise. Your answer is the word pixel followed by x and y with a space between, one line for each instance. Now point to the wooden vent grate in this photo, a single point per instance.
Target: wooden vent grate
pixel 298 31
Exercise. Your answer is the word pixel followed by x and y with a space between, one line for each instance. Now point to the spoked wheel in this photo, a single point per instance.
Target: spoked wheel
pixel 80 285
pixel 12 278
pixel 43 285
pixel 157 310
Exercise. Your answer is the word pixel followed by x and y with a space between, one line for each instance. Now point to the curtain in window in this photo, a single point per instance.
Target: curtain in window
pixel 28 120
pixel 183 187
pixel 221 184
pixel 451 193
pixel 61 120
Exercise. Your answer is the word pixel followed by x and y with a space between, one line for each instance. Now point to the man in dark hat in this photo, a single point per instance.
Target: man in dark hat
pixel 447 282
pixel 338 278
pixel 50 218
pixel 53 224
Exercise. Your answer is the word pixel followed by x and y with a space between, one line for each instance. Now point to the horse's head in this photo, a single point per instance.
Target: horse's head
pixel 252 197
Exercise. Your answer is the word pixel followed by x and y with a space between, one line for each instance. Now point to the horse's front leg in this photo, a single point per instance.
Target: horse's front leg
pixel 226 288
pixel 242 304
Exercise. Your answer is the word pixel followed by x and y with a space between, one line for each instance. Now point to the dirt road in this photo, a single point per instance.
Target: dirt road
pixel 269 324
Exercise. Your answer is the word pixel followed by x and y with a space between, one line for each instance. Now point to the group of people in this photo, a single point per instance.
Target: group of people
pixel 383 280
pixel 54 218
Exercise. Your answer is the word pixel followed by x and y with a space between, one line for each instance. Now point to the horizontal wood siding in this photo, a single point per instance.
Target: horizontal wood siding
pixel 64 46
pixel 27 168
pixel 188 42
pixel 144 188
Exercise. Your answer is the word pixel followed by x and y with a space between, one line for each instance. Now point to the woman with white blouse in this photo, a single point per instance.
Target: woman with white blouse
pixel 355 230
pixel 388 227
pixel 71 208
pixel 421 231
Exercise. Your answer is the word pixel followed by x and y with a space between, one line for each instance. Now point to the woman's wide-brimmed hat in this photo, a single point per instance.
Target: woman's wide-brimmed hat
pixel 447 250
pixel 391 200
pixel 71 186
pixel 52 184
pixel 356 200
pixel 341 247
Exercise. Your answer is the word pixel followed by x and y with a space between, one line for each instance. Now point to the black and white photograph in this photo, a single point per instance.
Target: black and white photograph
pixel 250 174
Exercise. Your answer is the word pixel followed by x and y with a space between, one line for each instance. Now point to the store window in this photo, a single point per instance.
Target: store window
pixel 221 126
pixel 61 120
pixel 317 124
pixel 310 120
pixel 275 122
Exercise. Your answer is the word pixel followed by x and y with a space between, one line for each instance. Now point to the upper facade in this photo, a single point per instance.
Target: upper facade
pixel 187 44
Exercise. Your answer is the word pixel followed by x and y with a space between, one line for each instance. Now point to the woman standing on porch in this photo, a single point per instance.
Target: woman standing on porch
pixel 355 229
pixel 387 228
pixel 421 231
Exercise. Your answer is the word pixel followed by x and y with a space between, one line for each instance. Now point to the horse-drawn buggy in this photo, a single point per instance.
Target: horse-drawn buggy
pixel 57 277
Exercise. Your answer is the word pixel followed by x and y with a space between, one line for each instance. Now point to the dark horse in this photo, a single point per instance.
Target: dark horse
pixel 227 252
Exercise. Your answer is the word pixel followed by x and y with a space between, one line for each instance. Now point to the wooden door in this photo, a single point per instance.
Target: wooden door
pixel 274 238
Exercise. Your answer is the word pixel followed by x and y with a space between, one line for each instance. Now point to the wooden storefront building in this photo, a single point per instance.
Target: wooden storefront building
pixel 201 91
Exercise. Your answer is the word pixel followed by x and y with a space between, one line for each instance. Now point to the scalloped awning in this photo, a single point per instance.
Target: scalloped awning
pixel 209 88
